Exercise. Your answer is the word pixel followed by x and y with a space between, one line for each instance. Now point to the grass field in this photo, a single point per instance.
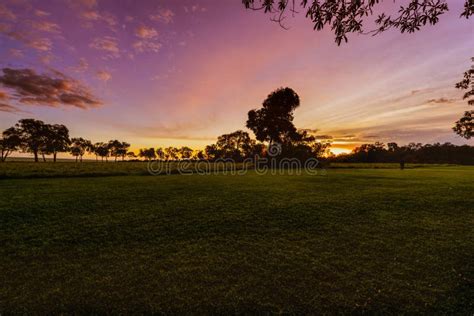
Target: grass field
pixel 351 241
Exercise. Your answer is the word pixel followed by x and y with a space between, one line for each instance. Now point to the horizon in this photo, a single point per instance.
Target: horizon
pixel 167 74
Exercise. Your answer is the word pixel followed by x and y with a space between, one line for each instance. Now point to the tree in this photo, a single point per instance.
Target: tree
pixel 160 153
pixel 131 155
pixel 9 142
pixel 199 155
pixel 465 125
pixel 236 145
pixel 185 152
pixel 56 139
pixel 147 153
pixel 102 150
pixel 171 153
pixel 118 149
pixel 345 16
pixel 79 146
pixel 274 121
pixel 31 133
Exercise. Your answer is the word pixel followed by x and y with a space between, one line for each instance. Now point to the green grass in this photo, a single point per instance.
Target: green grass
pixel 24 169
pixel 352 241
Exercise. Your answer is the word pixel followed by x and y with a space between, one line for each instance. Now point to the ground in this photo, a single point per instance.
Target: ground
pixel 348 240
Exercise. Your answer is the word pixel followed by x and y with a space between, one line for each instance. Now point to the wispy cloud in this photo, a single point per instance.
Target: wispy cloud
pixel 108 44
pixel 6 13
pixel 146 32
pixel 46 26
pixel 146 46
pixel 163 15
pixel 17 53
pixel 9 108
pixel 104 75
pixel 441 100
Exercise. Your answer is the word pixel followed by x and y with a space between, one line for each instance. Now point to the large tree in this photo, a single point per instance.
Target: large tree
pixel 350 16
pixel 274 121
pixel 32 134
pixel 9 142
pixel 56 139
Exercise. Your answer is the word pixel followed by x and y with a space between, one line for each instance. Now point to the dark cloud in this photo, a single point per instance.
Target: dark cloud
pixel 9 108
pixel 441 100
pixel 309 130
pixel 323 137
pixel 45 89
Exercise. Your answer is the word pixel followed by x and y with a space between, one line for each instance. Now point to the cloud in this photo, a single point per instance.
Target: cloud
pixel 46 26
pixel 41 44
pixel 194 8
pixel 82 66
pixel 323 137
pixel 91 16
pixel 17 53
pixel 163 15
pixel 3 95
pixel 146 32
pixel 146 46
pixel 47 89
pixel 6 13
pixel 41 13
pixel 104 75
pixel 46 59
pixel 441 100
pixel 108 44
pixel 9 108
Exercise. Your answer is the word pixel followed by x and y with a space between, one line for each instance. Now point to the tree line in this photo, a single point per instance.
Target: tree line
pixel 446 153
pixel 41 139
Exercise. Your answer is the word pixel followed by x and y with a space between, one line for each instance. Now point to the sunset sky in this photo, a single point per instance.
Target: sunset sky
pixel 177 72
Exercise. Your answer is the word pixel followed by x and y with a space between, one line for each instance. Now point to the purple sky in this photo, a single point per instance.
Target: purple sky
pixel 183 72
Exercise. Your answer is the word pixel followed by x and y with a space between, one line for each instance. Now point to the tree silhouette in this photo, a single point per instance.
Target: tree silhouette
pixel 185 152
pixel 236 145
pixel 118 149
pixel 464 127
pixel 131 155
pixel 31 133
pixel 274 121
pixel 9 142
pixel 102 150
pixel 56 139
pixel 171 153
pixel 347 16
pixel 79 146
pixel 147 153
pixel 160 153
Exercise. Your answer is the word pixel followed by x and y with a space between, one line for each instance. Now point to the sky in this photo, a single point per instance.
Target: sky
pixel 160 73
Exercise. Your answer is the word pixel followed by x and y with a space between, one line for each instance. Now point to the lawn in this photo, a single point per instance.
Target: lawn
pixel 348 241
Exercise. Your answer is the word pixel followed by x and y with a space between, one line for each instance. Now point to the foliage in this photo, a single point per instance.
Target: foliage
pixel 413 153
pixel 345 17
pixel 464 127
pixel 147 153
